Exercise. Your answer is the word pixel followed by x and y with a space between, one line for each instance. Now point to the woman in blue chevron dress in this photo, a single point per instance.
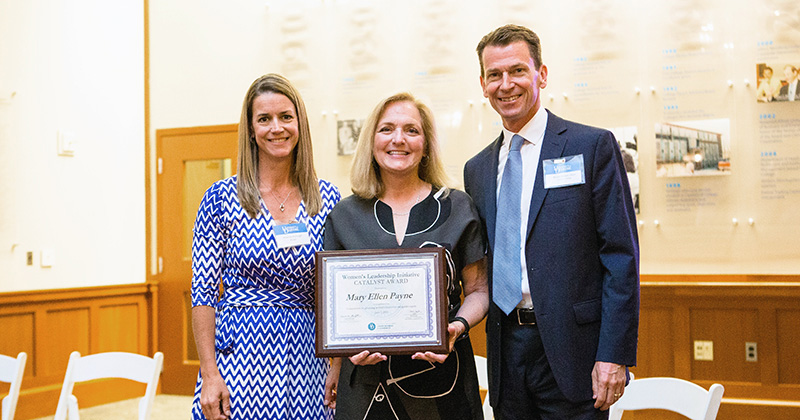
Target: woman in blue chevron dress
pixel 257 232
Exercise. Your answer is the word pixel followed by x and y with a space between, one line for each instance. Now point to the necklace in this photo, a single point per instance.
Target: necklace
pixel 409 210
pixel 433 222
pixel 284 200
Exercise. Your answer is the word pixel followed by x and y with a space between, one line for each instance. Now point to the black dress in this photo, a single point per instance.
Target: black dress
pixel 402 388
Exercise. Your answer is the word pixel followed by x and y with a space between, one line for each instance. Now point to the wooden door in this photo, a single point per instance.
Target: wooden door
pixel 189 161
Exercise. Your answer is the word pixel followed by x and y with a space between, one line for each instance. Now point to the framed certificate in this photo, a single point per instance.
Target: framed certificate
pixel 389 301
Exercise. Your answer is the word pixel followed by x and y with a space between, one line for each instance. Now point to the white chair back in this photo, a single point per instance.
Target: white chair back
pixel 673 394
pixel 123 365
pixel 483 383
pixel 11 371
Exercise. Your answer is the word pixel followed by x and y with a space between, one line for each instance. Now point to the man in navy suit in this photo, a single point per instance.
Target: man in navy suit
pixel 563 349
pixel 791 90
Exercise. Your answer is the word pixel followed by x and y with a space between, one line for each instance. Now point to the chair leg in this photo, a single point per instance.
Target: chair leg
pixel 73 408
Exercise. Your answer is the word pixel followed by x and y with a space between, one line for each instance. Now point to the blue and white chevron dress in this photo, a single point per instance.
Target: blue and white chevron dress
pixel 265 319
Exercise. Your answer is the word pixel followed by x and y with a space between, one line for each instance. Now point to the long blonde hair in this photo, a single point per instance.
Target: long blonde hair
pixel 303 174
pixel 365 175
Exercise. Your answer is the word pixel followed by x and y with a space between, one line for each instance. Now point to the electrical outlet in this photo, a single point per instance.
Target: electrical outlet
pixel 703 350
pixel 750 352
pixel 47 257
pixel 66 143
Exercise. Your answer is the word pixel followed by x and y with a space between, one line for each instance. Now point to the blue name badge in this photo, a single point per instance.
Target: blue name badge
pixel 563 172
pixel 291 234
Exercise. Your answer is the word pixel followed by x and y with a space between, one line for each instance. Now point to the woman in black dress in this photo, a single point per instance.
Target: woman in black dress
pixel 400 201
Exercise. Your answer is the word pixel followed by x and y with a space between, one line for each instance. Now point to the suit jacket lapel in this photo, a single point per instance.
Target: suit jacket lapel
pixel 490 186
pixel 552 147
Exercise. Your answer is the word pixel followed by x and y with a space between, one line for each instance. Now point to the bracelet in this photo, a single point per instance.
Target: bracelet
pixel 463 321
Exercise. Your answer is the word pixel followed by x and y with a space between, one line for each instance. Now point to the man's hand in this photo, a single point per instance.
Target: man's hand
pixel 608 384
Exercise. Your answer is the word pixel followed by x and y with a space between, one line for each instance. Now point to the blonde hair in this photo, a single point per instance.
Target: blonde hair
pixel 303 174
pixel 365 176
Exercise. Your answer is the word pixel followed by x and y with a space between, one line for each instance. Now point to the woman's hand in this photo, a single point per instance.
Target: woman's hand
pixel 366 358
pixel 332 382
pixel 215 398
pixel 454 330
pixel 476 303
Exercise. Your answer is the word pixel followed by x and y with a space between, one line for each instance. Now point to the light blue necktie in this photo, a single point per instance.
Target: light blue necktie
pixel 506 274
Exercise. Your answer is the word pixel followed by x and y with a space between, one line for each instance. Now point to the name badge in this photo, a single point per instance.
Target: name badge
pixel 292 234
pixel 563 172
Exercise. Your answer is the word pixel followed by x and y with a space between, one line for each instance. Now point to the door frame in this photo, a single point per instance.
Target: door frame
pixel 176 365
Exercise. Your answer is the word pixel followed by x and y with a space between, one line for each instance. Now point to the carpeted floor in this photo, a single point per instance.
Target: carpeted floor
pixel 166 407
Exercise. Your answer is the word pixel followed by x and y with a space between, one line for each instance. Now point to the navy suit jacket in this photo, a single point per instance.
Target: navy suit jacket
pixel 783 95
pixel 582 257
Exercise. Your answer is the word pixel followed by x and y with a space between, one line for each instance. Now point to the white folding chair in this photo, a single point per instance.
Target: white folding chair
pixel 673 394
pixel 123 365
pixel 483 383
pixel 11 371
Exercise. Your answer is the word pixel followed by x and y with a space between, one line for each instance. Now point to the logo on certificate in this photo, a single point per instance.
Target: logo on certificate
pixel 371 326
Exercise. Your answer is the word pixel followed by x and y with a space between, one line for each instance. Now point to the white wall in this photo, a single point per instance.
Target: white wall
pixel 75 67
pixel 346 55
pixel 78 67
